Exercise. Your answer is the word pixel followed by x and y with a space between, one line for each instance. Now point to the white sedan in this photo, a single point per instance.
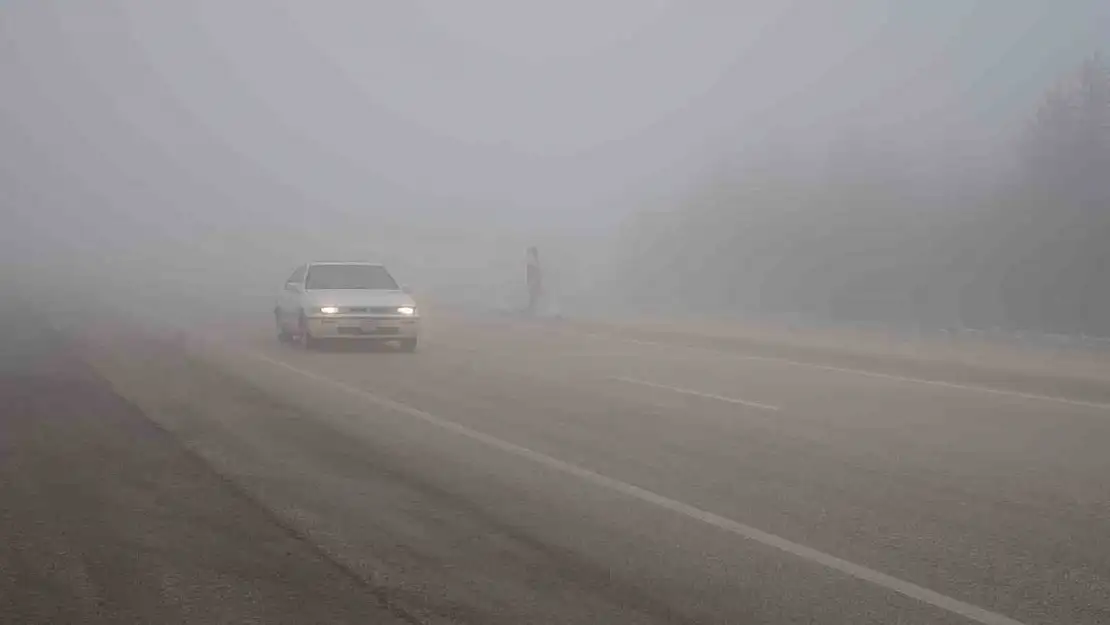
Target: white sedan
pixel 346 301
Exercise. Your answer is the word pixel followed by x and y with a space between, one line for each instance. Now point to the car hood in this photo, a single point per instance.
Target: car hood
pixel 355 297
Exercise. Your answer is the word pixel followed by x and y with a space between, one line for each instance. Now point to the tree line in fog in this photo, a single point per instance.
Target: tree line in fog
pixel 869 237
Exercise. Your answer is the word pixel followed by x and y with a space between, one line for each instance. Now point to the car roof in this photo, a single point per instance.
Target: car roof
pixel 345 262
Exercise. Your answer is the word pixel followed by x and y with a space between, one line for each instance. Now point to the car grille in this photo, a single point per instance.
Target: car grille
pixel 373 332
pixel 374 310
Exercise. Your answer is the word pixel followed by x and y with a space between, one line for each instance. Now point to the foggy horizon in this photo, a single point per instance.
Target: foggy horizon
pixel 142 136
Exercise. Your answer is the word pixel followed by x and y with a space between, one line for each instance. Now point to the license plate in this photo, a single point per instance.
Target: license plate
pixel 368 326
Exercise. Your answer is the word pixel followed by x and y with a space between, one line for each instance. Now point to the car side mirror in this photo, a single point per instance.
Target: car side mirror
pixel 292 286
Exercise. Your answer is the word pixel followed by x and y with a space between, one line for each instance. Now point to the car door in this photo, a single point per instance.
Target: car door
pixel 289 300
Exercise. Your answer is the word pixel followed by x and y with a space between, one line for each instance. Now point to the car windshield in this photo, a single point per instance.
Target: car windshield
pixel 322 277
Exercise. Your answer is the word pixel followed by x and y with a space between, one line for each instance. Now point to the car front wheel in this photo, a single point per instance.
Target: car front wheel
pixel 303 337
pixel 283 336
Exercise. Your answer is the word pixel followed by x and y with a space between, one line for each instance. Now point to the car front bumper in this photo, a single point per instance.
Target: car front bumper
pixel 362 327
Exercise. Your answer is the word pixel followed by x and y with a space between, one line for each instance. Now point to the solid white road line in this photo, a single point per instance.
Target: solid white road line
pixel 686 391
pixel 909 589
pixel 863 372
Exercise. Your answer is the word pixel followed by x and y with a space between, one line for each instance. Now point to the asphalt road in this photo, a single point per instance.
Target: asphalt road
pixel 106 518
pixel 514 473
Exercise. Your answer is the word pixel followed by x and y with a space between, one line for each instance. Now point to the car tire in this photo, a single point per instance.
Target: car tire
pixel 283 336
pixel 407 345
pixel 303 337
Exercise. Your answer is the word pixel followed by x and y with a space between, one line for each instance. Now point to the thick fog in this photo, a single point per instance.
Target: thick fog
pixel 937 163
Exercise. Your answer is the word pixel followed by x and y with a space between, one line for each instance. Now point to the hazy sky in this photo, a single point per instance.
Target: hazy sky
pixel 187 117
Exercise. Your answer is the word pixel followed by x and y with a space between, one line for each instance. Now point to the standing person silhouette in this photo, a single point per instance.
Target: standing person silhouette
pixel 535 281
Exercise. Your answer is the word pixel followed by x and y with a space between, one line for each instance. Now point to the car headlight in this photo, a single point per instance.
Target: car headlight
pixel 329 310
pixel 406 310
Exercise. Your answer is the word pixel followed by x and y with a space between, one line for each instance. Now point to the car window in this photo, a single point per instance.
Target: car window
pixel 349 277
pixel 298 275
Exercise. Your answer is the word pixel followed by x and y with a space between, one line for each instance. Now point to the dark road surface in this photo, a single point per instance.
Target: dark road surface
pixel 106 518
pixel 509 473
